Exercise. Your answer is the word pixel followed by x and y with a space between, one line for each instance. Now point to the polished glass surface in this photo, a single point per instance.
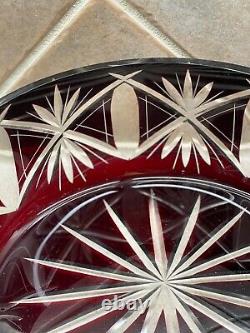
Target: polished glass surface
pixel 125 200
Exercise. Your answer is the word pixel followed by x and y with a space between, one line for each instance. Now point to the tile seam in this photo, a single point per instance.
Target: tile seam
pixel 43 46
pixel 142 22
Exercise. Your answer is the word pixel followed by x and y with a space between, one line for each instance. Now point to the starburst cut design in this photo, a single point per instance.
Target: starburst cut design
pixel 66 150
pixel 168 287
pixel 191 102
pixel 190 139
pixel 71 145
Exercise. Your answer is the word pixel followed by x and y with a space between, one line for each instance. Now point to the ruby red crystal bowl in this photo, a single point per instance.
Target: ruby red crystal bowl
pixel 124 200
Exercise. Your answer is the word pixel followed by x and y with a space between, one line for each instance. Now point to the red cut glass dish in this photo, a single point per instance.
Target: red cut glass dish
pixel 124 200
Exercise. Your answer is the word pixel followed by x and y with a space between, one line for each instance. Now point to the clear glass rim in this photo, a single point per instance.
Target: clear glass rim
pixel 123 63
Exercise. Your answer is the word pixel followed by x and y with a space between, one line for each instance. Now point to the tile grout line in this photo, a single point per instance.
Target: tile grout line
pixel 43 46
pixel 163 39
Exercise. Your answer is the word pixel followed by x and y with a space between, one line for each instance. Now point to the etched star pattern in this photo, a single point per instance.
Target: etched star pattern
pixel 68 145
pixel 172 288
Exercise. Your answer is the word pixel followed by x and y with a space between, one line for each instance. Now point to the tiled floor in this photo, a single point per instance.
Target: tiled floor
pixel 43 37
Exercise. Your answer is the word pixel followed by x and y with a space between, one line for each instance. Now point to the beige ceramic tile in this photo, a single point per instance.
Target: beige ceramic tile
pixel 212 29
pixel 102 33
pixel 22 24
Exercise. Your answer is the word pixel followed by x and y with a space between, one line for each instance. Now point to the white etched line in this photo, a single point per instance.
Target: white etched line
pixel 88 271
pixel 212 263
pixel 211 241
pixel 131 241
pixel 21 154
pixel 185 236
pixel 88 293
pixel 233 132
pixel 109 254
pixel 210 313
pixel 186 315
pixel 222 297
pixel 170 313
pixel 153 313
pixel 213 279
pixel 157 236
